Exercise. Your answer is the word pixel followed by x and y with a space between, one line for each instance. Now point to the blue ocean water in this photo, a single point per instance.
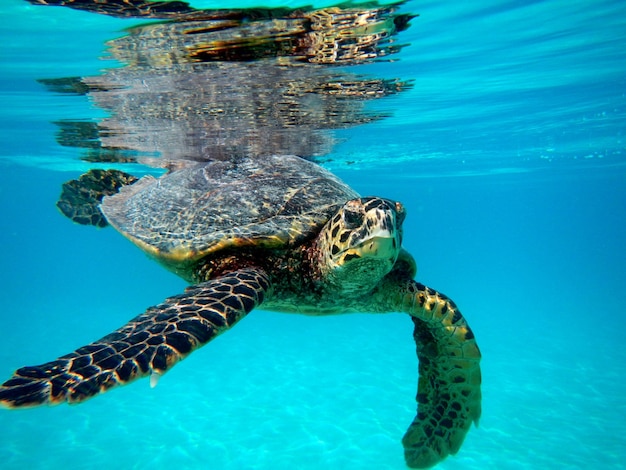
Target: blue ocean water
pixel 509 153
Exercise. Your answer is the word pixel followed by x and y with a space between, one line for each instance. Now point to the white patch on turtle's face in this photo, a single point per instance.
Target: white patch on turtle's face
pixel 361 243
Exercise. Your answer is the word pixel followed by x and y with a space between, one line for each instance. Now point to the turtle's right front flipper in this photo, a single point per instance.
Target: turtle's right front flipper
pixel 148 345
pixel 80 199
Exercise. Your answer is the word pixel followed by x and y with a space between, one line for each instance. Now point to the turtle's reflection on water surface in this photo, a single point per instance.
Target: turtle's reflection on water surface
pixel 223 84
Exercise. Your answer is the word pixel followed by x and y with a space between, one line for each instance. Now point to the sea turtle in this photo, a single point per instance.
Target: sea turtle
pixel 276 232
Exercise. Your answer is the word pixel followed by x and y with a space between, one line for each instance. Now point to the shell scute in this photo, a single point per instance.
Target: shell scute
pixel 270 202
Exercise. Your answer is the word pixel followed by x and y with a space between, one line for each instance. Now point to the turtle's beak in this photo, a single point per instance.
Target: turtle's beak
pixel 381 245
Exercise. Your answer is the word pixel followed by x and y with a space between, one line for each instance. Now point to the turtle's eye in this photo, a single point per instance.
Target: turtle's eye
pixel 353 219
pixel 400 213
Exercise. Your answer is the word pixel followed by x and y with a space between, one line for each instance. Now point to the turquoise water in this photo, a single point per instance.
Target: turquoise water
pixel 509 153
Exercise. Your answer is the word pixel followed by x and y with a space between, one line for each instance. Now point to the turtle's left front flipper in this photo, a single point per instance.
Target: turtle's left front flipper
pixel 448 395
pixel 149 344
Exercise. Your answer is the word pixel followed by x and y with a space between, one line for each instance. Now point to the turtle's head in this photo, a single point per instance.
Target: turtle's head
pixel 360 243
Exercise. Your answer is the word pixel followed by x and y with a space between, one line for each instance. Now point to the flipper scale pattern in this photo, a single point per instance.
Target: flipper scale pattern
pixel 151 343
pixel 449 387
